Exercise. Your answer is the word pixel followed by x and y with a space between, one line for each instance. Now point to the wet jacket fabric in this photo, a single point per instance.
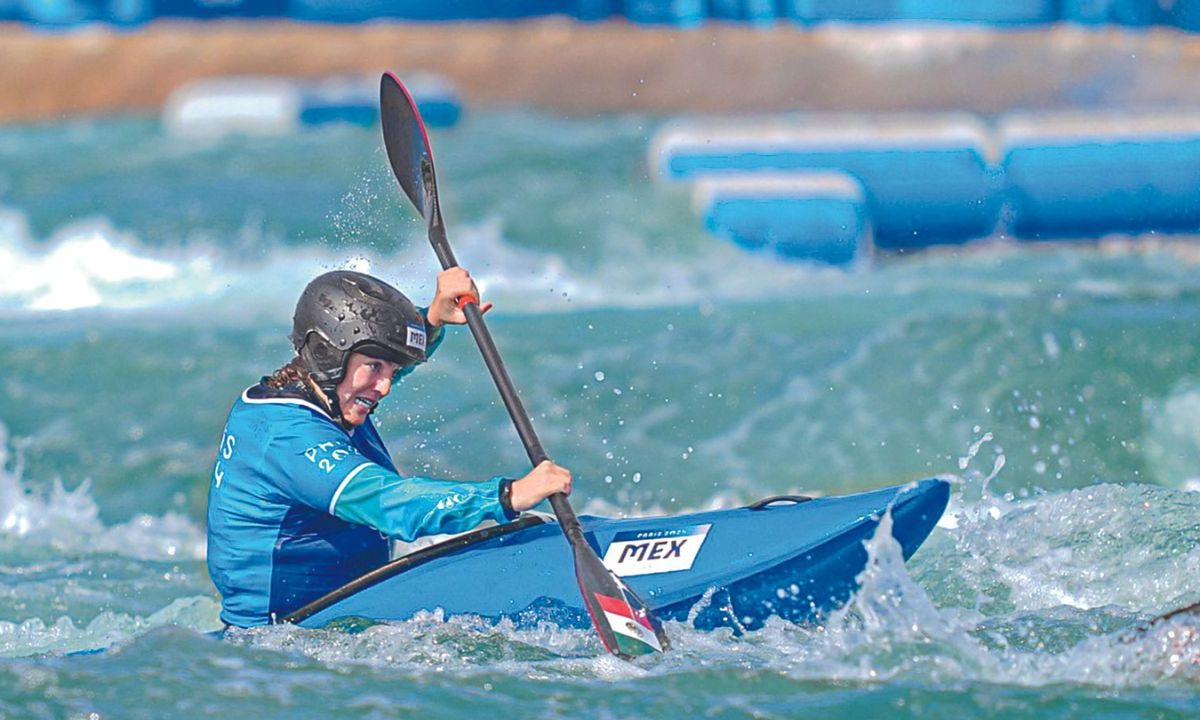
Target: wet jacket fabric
pixel 298 506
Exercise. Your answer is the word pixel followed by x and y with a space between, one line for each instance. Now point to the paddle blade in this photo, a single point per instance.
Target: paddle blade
pixel 625 625
pixel 407 144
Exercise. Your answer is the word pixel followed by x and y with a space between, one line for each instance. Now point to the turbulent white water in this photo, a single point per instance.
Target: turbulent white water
pixel 146 282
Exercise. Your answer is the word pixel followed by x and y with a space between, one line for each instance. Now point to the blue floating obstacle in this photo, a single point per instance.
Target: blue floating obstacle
pixel 355 100
pixel 818 11
pixel 1008 12
pixel 816 215
pixel 754 12
pixel 594 10
pixel 130 12
pixel 339 100
pixel 355 11
pixel 212 9
pixel 63 14
pixel 55 13
pixel 274 105
pixel 926 178
pixel 1089 175
pixel 1183 14
pixel 680 13
pixel 1134 13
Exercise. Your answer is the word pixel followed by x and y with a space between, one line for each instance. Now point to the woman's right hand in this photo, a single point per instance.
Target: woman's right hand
pixel 541 482
pixel 453 285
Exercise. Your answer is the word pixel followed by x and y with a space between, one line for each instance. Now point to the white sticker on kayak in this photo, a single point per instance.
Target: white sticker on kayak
pixel 643 552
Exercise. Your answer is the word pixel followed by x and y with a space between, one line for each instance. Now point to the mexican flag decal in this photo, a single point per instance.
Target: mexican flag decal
pixel 635 636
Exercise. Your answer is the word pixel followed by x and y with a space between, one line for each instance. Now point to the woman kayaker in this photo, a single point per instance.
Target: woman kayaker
pixel 304 495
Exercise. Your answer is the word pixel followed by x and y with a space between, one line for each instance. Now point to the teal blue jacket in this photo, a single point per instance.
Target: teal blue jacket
pixel 298 506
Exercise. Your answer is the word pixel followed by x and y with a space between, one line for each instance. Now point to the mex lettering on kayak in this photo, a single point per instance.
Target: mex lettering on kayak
pixel 658 550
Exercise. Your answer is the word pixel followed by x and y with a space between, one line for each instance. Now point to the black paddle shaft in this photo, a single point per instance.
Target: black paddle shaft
pixel 495 365
pixel 412 164
pixel 614 608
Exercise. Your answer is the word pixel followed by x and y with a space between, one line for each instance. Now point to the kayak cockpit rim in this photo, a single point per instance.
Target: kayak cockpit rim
pixel 419 557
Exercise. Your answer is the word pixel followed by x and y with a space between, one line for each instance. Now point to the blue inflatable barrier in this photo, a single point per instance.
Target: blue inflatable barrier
pixel 355 100
pixel 211 9
pixel 350 11
pixel 817 11
pixel 754 12
pixel 130 12
pixel 927 180
pixel 338 100
pixel 1087 176
pixel 1183 14
pixel 725 9
pixel 592 10
pixel 1134 13
pixel 818 216
pixel 680 13
pixel 1003 12
pixel 69 13
pixel 269 106
pixel 60 13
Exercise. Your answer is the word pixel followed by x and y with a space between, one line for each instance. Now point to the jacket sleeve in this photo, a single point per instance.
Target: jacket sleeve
pixel 406 508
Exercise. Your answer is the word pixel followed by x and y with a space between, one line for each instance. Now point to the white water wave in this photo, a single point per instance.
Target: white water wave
pixel 892 630
pixel 91 264
pixel 106 632
pixel 69 520
pixel 86 265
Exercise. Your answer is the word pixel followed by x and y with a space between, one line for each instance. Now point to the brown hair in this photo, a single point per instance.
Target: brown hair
pixel 292 372
pixel 295 372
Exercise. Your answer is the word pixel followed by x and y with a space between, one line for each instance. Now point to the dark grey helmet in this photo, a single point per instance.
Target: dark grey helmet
pixel 345 311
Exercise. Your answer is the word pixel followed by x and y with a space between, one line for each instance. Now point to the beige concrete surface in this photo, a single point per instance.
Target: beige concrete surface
pixel 580 68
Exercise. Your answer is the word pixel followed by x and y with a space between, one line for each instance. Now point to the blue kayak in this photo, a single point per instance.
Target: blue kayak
pixel 792 557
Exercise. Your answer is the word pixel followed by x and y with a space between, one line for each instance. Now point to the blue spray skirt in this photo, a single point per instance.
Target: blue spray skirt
pixel 266 105
pixel 724 568
pixel 927 180
pixel 819 216
pixel 1085 176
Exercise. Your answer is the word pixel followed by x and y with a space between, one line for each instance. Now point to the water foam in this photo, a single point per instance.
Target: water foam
pixel 1172 440
pixel 1128 546
pixel 107 631
pixel 893 630
pixel 69 520
pixel 84 265
pixel 91 264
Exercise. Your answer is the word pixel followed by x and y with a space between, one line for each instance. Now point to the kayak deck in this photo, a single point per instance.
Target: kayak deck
pixel 795 560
